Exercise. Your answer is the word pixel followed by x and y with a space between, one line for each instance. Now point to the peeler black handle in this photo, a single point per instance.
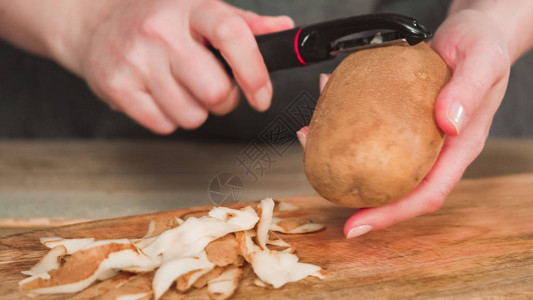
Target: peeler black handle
pixel 315 43
pixel 279 50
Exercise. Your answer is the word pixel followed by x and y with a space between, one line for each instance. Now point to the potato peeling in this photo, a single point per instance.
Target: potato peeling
pixel 138 287
pixel 267 209
pixel 71 245
pixel 295 226
pixel 170 271
pixel 223 286
pixel 50 261
pixel 185 281
pixel 278 268
pixel 223 251
pixel 97 261
pixel 282 206
pixel 106 287
pixel 212 252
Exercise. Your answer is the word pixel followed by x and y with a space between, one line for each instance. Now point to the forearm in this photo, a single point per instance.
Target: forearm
pixel 515 18
pixel 49 28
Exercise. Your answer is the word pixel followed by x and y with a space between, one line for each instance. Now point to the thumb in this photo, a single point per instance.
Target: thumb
pixel 302 133
pixel 323 80
pixel 474 74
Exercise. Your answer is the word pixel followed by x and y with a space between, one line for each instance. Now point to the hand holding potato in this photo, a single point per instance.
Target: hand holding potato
pixel 149 59
pixel 480 54
pixel 373 136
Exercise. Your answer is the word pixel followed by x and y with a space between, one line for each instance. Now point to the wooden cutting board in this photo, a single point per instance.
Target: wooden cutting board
pixel 480 244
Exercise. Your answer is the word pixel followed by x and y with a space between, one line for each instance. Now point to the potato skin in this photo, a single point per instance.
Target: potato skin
pixel 373 136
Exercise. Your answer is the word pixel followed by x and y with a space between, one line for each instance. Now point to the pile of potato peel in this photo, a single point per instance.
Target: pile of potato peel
pixel 213 252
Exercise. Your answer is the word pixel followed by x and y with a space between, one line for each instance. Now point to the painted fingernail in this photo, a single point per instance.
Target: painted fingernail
pixel 302 138
pixel 323 80
pixel 358 231
pixel 262 98
pixel 456 115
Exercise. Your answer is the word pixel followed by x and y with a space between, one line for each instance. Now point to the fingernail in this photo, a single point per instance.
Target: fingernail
pixel 357 231
pixel 289 20
pixel 456 115
pixel 262 98
pixel 322 81
pixel 302 138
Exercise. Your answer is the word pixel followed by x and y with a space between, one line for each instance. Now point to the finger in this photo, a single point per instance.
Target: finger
pixel 457 153
pixel 323 80
pixel 475 72
pixel 302 135
pixel 227 104
pixel 265 24
pixel 202 74
pixel 142 108
pixel 123 91
pixel 427 197
pixel 229 33
pixel 177 103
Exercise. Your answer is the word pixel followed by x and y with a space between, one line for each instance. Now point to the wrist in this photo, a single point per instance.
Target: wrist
pixel 33 26
pixel 70 36
pixel 512 19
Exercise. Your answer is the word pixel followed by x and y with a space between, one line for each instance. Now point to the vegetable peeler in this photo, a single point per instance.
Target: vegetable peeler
pixel 306 45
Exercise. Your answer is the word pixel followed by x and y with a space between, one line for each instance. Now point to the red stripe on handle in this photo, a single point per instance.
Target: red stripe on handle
pixel 296 49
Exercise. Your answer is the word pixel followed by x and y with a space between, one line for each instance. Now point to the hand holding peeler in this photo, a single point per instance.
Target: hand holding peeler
pixel 311 44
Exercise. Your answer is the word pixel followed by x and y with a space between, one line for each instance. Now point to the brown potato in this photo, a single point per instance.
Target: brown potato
pixel 373 136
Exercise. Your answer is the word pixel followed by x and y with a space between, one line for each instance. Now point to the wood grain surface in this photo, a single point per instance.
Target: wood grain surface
pixel 75 179
pixel 478 245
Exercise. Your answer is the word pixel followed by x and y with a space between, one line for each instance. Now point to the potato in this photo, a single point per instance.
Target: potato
pixel 373 136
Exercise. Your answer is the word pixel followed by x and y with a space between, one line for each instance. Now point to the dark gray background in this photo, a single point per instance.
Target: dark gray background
pixel 38 99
